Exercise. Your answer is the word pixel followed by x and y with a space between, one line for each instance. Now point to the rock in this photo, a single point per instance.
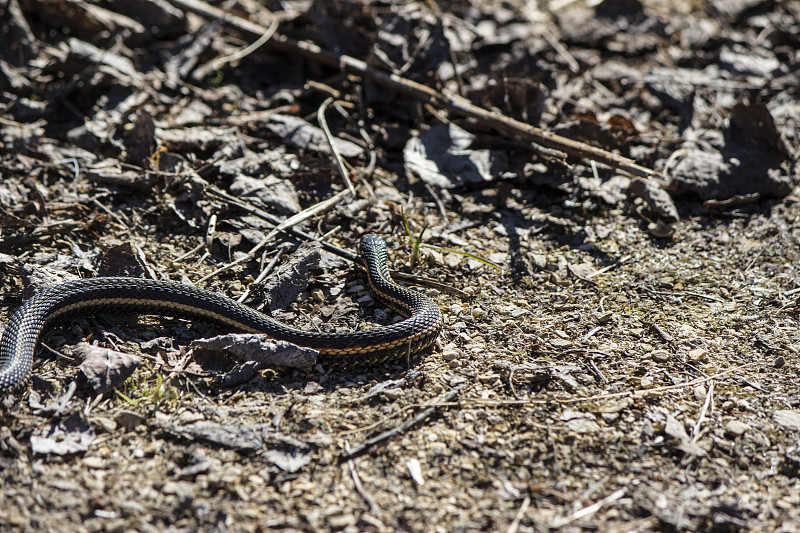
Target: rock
pixel 736 428
pixel 697 355
pixel 660 356
pixel 788 418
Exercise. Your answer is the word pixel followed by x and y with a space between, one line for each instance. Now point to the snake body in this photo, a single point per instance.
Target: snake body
pixel 107 295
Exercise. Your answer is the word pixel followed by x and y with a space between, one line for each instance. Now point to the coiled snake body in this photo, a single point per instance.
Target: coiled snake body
pixel 143 296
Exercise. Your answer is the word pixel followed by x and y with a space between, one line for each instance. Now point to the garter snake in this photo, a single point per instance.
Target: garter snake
pixel 153 297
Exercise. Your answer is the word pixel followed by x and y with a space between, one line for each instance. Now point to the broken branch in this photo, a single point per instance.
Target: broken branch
pixel 453 103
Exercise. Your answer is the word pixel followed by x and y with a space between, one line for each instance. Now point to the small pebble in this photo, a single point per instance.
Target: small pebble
pixel 699 392
pixel 128 419
pixel 779 362
pixel 394 393
pixel 452 260
pixel 94 462
pixel 539 260
pixel 517 312
pixel 560 343
pixel 476 349
pixel 474 264
pixel 660 356
pixel 341 521
pixel 106 424
pixel 697 355
pixel 736 428
pixel 450 352
pixel 603 318
pixel 647 382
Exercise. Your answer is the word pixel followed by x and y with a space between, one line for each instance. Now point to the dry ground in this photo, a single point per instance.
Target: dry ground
pixel 632 365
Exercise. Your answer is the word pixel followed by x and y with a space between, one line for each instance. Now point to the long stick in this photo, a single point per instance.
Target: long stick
pixel 453 103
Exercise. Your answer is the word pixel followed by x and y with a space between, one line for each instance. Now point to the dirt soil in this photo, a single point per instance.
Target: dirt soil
pixel 620 350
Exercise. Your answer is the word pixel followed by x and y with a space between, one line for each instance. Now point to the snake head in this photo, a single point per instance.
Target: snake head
pixel 370 243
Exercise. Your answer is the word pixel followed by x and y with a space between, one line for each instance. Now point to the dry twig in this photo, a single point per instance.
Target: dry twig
pixel 590 510
pixel 291 221
pixel 453 103
pixel 335 155
pixel 376 509
pixel 405 426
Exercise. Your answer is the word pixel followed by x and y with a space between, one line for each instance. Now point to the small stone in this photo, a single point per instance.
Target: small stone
pixel 603 318
pixel 190 417
pixel 394 393
pixel 616 406
pixel 539 260
pixel 779 362
pixel 182 489
pixel 736 428
pixel 788 418
pixel 660 356
pixel 128 419
pixel 341 521
pixel 452 260
pixel 697 355
pixel 474 264
pixel 610 418
pixel 318 295
pixel 131 508
pixel 646 382
pixel 518 312
pixel 476 349
pixel 699 392
pixel 450 352
pixel 95 462
pixel 106 424
pixel 477 313
pixel 728 406
pixel 582 270
pixel 560 343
